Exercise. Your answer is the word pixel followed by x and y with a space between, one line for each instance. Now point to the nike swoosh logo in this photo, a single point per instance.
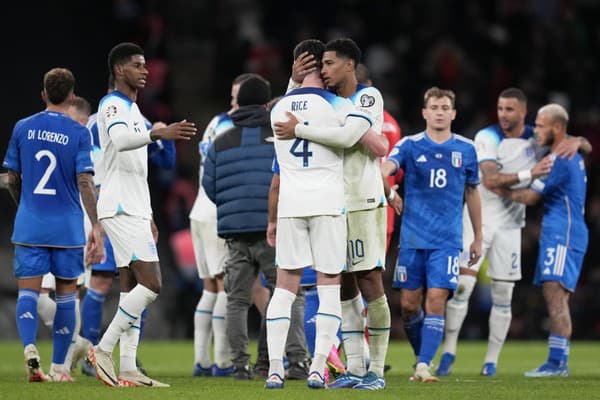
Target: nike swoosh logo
pixel 146 383
pixel 357 262
pixel 136 123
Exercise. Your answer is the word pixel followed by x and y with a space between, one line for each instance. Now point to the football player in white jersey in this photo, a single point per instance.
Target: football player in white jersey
pixel 507 156
pixel 365 202
pixel 211 251
pixel 307 220
pixel 125 212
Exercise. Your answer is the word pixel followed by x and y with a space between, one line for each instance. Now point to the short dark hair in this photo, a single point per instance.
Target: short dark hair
pixel 58 85
pixel 438 93
pixel 242 77
pixel 345 47
pixel 514 93
pixel 254 91
pixel 82 105
pixel 121 54
pixel 311 46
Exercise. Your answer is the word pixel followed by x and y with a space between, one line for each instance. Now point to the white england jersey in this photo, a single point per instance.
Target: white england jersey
pixel 311 174
pixel 512 155
pixel 205 210
pixel 125 182
pixel 362 173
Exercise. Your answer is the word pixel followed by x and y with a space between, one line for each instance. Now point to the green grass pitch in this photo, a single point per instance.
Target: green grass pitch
pixel 172 362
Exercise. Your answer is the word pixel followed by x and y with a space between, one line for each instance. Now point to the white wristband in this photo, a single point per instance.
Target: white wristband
pixel 392 195
pixel 524 176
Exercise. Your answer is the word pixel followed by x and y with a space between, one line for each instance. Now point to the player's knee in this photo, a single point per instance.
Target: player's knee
pixel 465 286
pixel 409 308
pixel 502 292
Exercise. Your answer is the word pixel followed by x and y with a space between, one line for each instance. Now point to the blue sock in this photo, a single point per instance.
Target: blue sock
pixel 559 350
pixel 64 325
pixel 310 311
pixel 91 315
pixel 27 315
pixel 413 331
pixel 433 332
pixel 143 321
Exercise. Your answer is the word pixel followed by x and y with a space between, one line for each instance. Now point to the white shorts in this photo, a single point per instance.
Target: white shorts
pixel 49 282
pixel 318 241
pixel 210 250
pixel 501 246
pixel 366 239
pixel 131 239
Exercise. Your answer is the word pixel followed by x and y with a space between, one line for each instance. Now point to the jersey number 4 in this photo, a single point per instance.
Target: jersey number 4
pixel 305 154
pixel 41 186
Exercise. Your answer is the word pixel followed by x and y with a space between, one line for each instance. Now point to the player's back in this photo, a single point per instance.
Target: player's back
pixel 434 179
pixel 564 192
pixel 312 181
pixel 124 186
pixel 49 149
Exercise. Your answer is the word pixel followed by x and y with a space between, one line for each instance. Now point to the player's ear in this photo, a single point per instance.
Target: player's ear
pixel 44 96
pixel 453 113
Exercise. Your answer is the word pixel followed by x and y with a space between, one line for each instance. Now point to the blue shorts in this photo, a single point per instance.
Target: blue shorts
pixel 64 263
pixel 558 263
pixel 108 261
pixel 429 268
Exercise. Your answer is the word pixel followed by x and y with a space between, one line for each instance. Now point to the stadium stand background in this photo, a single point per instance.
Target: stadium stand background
pixel 194 49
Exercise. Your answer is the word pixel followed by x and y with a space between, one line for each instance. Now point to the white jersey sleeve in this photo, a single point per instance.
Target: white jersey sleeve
pixel 362 173
pixel 487 142
pixel 125 186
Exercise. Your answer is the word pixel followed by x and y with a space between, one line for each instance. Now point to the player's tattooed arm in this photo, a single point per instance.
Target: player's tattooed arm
pixel 492 179
pixel 572 145
pixel 525 196
pixel 13 181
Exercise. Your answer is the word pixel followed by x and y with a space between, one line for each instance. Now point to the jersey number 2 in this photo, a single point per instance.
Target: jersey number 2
pixel 41 186
pixel 305 154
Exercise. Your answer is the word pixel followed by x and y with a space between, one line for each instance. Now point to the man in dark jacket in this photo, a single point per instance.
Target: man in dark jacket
pixel 237 178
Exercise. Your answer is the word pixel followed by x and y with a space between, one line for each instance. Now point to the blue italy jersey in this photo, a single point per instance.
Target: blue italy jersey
pixel 434 182
pixel 564 201
pixel 49 149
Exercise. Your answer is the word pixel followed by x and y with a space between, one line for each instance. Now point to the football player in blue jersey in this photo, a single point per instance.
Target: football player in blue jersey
pixel 49 165
pixel 440 167
pixel 564 235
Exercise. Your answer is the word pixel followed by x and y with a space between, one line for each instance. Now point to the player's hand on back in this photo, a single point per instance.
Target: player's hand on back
pixel 567 148
pixel 543 167
pixel 303 65
pixel 287 129
pixel 182 130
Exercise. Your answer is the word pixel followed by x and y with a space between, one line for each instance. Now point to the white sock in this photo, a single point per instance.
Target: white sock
pixel 46 309
pixel 278 318
pixel 203 328
pixel 219 330
pixel 456 311
pixel 328 320
pixel 130 309
pixel 128 346
pixel 500 318
pixel 379 322
pixel 353 335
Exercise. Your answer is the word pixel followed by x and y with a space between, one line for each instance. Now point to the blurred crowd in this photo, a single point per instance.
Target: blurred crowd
pixel 477 49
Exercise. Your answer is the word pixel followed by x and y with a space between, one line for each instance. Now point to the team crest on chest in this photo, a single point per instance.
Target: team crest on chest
pixel 456 159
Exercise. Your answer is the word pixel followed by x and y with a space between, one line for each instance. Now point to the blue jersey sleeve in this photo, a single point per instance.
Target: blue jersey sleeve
pixel 84 158
pixel 162 153
pixel 12 160
pixel 398 155
pixel 472 168
pixel 553 180
pixel 275 167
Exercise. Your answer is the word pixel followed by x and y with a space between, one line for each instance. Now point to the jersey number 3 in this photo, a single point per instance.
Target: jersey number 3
pixel 41 186
pixel 305 154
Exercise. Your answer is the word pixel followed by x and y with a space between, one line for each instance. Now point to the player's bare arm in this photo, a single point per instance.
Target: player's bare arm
pixel 273 201
pixel 392 196
pixel 525 196
pixel 571 146
pixel 492 179
pixel 182 130
pixel 4 180
pixel 95 245
pixel 154 230
pixel 474 207
pixel 13 182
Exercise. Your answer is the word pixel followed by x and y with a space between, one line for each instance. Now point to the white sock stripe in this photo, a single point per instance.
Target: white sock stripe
pixel 99 297
pixel 29 293
pixel 65 298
